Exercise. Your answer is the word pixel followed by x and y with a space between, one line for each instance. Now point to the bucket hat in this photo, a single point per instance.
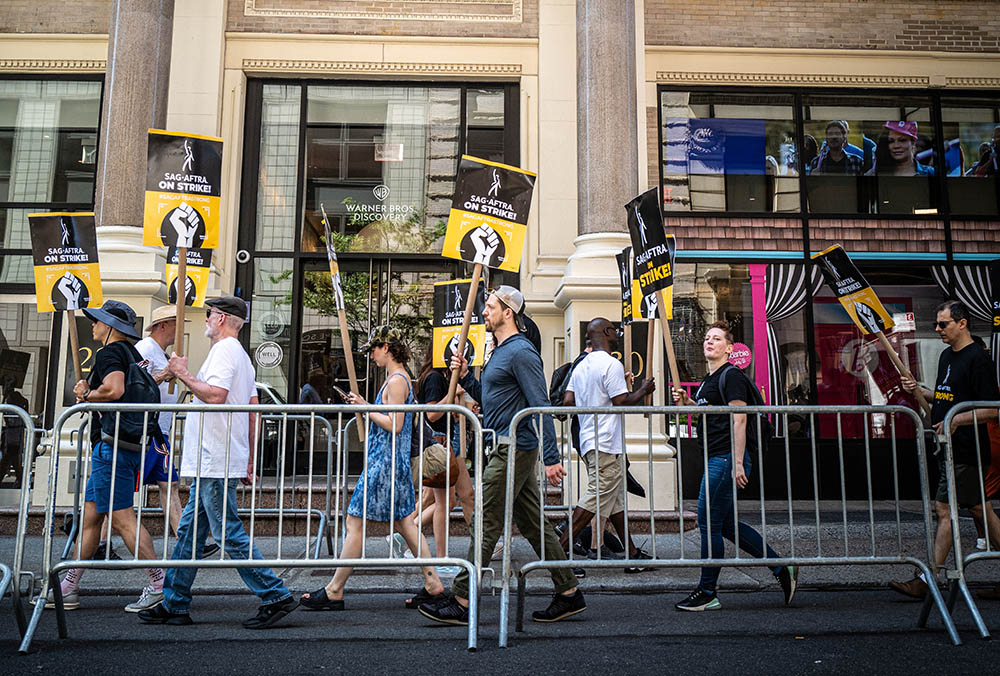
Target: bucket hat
pixel 115 314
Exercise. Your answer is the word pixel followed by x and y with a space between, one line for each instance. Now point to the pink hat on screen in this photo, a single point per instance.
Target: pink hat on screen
pixel 904 128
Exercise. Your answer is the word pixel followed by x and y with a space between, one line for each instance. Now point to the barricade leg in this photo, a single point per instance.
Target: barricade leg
pixel 984 632
pixel 29 632
pixel 521 581
pixel 57 597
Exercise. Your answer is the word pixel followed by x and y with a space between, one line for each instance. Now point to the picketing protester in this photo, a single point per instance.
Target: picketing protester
pixel 511 381
pixel 728 462
pixel 965 373
pixel 114 469
pixel 599 380
pixel 218 455
pixel 384 492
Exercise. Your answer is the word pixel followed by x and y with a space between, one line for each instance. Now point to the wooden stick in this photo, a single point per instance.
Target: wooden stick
pixel 661 305
pixel 74 342
pixel 345 337
pixel 463 336
pixel 627 350
pixel 650 346
pixel 182 256
pixel 901 367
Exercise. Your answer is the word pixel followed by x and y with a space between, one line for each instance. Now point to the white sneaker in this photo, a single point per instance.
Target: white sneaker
pixel 148 599
pixel 71 600
pixel 981 544
pixel 397 547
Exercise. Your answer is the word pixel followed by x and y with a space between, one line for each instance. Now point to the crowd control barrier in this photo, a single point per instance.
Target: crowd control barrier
pixel 816 541
pixel 13 418
pixel 977 412
pixel 306 551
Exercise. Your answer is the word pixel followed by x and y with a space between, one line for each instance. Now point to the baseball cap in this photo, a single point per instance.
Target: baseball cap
pixel 513 299
pixel 231 305
pixel 162 314
pixel 904 128
pixel 380 335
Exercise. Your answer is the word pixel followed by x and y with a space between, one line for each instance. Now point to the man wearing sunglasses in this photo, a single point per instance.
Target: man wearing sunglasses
pixel 965 373
pixel 218 454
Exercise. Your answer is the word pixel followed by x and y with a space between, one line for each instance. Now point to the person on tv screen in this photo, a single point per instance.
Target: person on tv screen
pixel 896 151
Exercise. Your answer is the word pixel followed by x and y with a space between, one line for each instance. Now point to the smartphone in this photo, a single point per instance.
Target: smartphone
pixel 340 393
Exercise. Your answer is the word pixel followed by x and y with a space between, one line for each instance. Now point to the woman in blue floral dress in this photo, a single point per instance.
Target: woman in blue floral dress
pixel 385 490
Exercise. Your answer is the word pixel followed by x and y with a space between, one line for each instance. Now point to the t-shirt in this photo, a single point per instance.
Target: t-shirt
pixel 157 358
pixel 717 427
pixel 108 360
pixel 227 366
pixel 595 382
pixel 966 375
pixel 432 390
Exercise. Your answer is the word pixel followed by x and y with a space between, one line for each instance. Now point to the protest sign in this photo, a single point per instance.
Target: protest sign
pixel 450 299
pixel 199 264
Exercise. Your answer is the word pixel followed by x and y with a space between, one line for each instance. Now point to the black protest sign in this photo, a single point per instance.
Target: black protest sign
pixel 853 291
pixel 197 269
pixel 67 272
pixel 652 246
pixel 624 260
pixel 183 180
pixel 489 214
pixel 450 299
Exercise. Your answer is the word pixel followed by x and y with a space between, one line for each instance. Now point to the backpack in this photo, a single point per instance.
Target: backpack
pixel 140 388
pixel 560 380
pixel 766 427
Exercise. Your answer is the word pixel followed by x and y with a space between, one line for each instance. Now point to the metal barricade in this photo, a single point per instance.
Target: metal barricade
pixel 9 414
pixel 810 544
pixel 310 557
pixel 972 413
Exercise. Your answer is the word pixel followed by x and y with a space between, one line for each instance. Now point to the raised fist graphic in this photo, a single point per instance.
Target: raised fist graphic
pixel 71 289
pixel 185 220
pixel 486 241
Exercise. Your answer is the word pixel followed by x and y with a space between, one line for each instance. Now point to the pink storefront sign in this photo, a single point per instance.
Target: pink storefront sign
pixel 741 356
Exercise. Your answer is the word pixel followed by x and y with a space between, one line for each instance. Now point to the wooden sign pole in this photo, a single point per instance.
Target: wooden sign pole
pixel 650 346
pixel 668 342
pixel 74 342
pixel 901 367
pixel 463 336
pixel 345 336
pixel 181 281
pixel 627 351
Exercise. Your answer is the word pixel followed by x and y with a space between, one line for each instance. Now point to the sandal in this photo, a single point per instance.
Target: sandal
pixel 318 600
pixel 423 596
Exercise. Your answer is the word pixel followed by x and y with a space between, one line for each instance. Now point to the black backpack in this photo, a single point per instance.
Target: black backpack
pixel 766 427
pixel 560 380
pixel 140 388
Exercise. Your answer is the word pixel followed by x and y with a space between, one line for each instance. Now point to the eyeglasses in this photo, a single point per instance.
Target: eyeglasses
pixel 942 324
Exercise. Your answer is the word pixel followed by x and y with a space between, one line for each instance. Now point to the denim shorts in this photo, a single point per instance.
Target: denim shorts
pixel 126 473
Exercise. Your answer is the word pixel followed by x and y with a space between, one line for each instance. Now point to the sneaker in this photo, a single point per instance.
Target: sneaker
pixel 99 554
pixel 160 615
pixel 448 571
pixel 148 600
pixel 981 544
pixel 71 600
pixel 449 612
pixel 210 550
pixel 606 553
pixel 639 555
pixel 990 594
pixel 268 614
pixel 580 551
pixel 915 588
pixel 579 573
pixel 397 547
pixel 788 578
pixel 698 600
pixel 562 606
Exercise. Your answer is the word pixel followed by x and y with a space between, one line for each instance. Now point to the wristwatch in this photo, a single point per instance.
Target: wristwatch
pixel 86 394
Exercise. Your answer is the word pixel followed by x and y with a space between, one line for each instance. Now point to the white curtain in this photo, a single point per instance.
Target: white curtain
pixel 973 286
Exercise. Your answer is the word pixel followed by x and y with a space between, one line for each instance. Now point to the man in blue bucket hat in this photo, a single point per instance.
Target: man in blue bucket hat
pixel 112 483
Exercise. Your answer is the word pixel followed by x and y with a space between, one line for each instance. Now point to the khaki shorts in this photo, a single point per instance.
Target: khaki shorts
pixel 608 478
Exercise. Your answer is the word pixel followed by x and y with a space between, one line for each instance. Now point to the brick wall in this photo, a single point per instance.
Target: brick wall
pixel 944 25
pixel 55 16
pixel 448 21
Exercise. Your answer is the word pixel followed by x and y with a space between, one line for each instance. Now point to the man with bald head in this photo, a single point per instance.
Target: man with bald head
pixel 599 380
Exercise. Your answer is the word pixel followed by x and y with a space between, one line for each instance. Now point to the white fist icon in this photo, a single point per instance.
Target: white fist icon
pixel 71 289
pixel 486 241
pixel 185 220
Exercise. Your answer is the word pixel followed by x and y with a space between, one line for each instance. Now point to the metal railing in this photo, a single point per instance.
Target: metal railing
pixel 27 457
pixel 957 583
pixel 810 544
pixel 50 569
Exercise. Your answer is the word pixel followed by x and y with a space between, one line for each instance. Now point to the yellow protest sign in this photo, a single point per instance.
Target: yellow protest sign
pixel 449 309
pixel 853 291
pixel 64 252
pixel 199 265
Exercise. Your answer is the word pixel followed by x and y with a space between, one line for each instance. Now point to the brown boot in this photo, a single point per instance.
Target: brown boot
pixel 915 588
pixel 990 594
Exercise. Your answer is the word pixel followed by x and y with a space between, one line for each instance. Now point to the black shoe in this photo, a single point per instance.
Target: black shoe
pixel 640 556
pixel 210 550
pixel 580 551
pixel 450 612
pixel 579 573
pixel 700 599
pixel 562 606
pixel 606 553
pixel 423 597
pixel 270 613
pixel 99 554
pixel 160 615
pixel 788 578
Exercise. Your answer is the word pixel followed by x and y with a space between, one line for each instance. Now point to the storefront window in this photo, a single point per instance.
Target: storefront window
pixel 279 162
pixel 270 322
pixel 972 139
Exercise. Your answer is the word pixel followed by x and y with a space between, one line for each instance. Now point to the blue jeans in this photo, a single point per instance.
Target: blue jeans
pixel 177 588
pixel 719 476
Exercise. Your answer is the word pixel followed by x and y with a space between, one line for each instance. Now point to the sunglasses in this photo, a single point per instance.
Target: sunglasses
pixel 942 324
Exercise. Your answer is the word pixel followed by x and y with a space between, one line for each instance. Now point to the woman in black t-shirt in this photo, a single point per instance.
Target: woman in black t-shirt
pixel 717 492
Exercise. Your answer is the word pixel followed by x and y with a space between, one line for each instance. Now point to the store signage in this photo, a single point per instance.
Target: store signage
pixel 741 356
pixel 268 355
pixel 654 249
pixel 449 309
pixel 183 179
pixel 67 272
pixel 853 292
pixel 904 321
pixel 489 214
pixel 199 263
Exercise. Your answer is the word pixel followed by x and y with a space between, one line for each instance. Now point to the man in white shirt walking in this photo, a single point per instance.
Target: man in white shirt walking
pixel 599 381
pixel 217 453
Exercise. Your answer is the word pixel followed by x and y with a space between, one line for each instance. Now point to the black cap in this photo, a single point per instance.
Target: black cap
pixel 231 305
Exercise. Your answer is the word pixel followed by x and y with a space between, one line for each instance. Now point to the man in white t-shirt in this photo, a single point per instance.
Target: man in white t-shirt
pixel 217 455
pixel 599 381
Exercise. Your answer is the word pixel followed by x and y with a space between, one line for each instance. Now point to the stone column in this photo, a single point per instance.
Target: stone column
pixel 135 99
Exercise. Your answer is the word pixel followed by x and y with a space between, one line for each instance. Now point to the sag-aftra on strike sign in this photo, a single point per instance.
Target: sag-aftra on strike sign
pixel 653 247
